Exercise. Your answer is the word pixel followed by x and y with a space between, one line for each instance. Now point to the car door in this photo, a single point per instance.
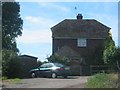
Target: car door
pixel 46 70
pixel 42 69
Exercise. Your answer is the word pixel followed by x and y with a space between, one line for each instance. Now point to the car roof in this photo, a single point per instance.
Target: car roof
pixel 53 63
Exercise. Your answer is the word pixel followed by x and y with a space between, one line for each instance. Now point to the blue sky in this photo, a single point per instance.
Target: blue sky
pixel 39 17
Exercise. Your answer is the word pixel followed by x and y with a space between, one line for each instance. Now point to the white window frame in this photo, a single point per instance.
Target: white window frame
pixel 81 42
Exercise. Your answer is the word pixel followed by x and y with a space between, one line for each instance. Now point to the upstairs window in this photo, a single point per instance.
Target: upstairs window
pixel 81 42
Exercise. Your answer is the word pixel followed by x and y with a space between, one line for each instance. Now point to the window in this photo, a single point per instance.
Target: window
pixel 58 65
pixel 46 65
pixel 81 42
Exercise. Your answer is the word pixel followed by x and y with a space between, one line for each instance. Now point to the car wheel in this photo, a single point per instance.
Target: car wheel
pixel 33 75
pixel 54 75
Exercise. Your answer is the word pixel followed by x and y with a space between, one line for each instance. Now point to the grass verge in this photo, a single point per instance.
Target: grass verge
pixel 102 80
pixel 11 81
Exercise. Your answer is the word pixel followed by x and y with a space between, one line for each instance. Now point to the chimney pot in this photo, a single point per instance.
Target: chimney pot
pixel 79 16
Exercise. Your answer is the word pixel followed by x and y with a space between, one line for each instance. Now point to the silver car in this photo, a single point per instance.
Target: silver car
pixel 51 70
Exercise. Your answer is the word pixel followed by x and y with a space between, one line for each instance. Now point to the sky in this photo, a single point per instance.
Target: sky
pixel 39 17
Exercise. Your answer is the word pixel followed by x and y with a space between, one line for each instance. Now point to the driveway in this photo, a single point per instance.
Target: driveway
pixel 70 82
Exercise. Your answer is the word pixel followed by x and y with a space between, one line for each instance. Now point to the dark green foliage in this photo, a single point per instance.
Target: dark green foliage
pixel 111 54
pixel 10 64
pixel 7 55
pixel 14 68
pixel 108 52
pixel 11 29
pixel 58 59
pixel 39 63
pixel 11 25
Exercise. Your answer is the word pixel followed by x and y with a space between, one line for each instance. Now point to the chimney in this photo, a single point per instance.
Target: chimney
pixel 79 17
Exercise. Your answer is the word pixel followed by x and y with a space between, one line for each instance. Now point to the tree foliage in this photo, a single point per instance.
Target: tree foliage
pixel 58 59
pixel 108 54
pixel 11 25
pixel 11 66
pixel 109 48
pixel 111 54
pixel 7 56
pixel 11 29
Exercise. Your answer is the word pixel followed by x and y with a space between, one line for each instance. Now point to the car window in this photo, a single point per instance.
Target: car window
pixel 59 65
pixel 47 65
pixel 43 66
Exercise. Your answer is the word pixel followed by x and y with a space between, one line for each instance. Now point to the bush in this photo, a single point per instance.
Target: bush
pixel 58 59
pixel 10 64
pixel 101 80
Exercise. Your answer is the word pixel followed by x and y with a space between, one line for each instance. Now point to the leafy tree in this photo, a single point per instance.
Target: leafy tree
pixel 112 56
pixel 7 56
pixel 117 57
pixel 58 59
pixel 11 25
pixel 109 47
pixel 11 29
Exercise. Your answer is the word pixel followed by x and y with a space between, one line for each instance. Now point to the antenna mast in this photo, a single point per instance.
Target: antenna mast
pixel 75 10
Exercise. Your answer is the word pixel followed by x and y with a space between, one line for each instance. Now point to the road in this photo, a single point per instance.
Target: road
pixel 70 82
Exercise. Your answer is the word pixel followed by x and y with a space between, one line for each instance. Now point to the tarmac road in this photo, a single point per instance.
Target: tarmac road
pixel 70 82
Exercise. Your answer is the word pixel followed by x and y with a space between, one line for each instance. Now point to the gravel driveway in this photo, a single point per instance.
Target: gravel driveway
pixel 70 82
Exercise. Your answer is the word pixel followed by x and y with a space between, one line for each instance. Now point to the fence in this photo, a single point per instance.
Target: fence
pixel 100 69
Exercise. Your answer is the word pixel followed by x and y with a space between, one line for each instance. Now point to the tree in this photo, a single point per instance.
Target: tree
pixel 7 56
pixel 116 57
pixel 11 25
pixel 11 29
pixel 58 59
pixel 111 54
pixel 108 49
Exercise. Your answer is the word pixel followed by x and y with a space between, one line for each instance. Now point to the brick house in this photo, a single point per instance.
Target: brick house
pixel 80 40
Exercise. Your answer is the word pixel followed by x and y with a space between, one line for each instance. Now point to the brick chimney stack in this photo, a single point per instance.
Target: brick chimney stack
pixel 79 17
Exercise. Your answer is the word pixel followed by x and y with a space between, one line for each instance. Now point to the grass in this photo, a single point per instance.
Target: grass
pixel 11 81
pixel 102 80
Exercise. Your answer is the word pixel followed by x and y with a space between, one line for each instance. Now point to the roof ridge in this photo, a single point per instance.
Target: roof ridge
pixel 80 20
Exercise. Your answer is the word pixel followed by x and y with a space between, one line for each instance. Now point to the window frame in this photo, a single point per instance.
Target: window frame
pixel 81 42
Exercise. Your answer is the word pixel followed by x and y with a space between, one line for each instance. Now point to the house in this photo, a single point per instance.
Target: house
pixel 80 40
pixel 27 63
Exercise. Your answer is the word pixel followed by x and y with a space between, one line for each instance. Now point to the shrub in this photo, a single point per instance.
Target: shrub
pixel 101 80
pixel 10 64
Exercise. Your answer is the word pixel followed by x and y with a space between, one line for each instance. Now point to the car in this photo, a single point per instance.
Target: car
pixel 51 70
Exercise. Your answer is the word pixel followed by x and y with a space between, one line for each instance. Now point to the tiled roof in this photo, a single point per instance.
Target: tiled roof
pixel 73 28
pixel 28 56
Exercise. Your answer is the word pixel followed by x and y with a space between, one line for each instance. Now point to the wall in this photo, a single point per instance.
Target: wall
pixel 89 53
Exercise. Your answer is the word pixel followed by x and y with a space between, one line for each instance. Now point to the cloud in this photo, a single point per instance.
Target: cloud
pixel 62 8
pixel 32 19
pixel 36 30
pixel 35 36
pixel 40 21
pixel 66 0
pixel 54 6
